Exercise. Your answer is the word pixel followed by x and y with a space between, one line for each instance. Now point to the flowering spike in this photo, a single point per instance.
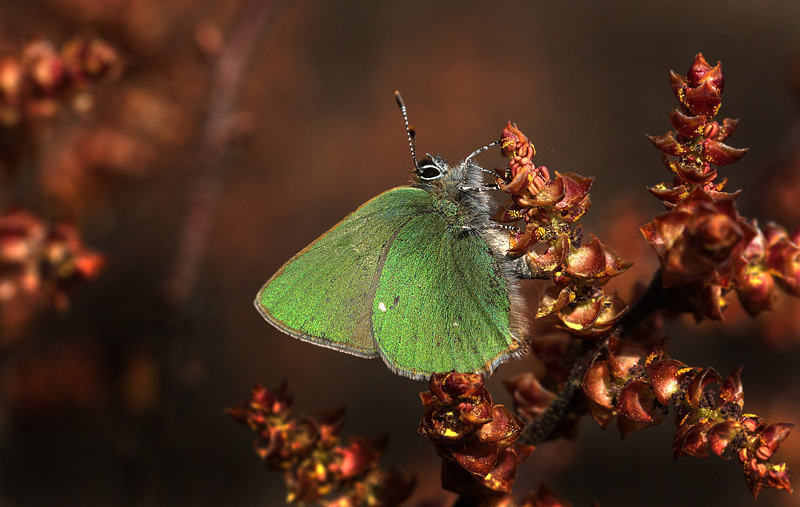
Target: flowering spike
pixel 479 443
pixel 317 467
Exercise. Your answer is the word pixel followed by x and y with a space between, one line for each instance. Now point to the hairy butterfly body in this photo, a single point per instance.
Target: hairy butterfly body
pixel 417 276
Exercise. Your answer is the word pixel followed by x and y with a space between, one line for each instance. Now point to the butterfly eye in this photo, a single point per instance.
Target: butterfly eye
pixel 429 172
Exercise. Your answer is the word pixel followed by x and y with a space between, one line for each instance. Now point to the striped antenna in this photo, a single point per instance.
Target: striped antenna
pixel 481 150
pixel 412 142
pixel 482 188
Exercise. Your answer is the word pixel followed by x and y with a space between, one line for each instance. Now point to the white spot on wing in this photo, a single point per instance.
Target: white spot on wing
pixel 381 306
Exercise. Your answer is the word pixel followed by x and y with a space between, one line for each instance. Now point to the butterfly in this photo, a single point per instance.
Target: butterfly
pixel 418 276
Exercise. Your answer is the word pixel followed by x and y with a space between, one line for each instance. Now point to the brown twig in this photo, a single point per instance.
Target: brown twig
pixel 539 431
pixel 218 130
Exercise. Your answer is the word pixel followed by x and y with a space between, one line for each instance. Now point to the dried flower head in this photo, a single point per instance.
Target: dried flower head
pixel 696 144
pixel 317 467
pixel 639 385
pixel 472 434
pixel 551 241
pixel 38 260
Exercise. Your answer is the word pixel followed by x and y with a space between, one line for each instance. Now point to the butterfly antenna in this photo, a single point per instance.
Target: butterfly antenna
pixel 412 141
pixel 481 150
pixel 482 188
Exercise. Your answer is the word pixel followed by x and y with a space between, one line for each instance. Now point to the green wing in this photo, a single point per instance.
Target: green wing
pixel 441 303
pixel 325 293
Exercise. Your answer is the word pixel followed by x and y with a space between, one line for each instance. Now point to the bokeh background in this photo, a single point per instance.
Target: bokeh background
pixel 101 406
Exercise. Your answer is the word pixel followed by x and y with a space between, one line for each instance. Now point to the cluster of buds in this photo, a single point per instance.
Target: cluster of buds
pixel 638 385
pixel 771 259
pixel 38 260
pixel 474 436
pixel 706 249
pixel 696 145
pixel 552 240
pixel 317 467
pixel 33 84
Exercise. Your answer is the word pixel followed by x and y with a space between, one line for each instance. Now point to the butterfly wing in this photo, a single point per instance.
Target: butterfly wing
pixel 325 293
pixel 442 303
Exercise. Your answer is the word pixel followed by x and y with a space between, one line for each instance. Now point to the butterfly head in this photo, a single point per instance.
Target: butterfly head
pixel 434 175
pixel 452 182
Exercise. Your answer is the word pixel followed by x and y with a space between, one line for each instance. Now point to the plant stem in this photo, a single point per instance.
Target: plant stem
pixel 540 430
pixel 217 131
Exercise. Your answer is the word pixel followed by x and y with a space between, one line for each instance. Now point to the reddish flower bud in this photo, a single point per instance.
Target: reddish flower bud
pixel 701 72
pixel 480 446
pixel 595 260
pixel 613 308
pixel 627 426
pixel 701 89
pixel 501 478
pixel 514 143
pixel 665 377
pixel 602 415
pixel 699 240
pixel 581 315
pixel 330 424
pixel 727 129
pixel 531 399
pixel 624 356
pixel 44 68
pixel 638 403
pixel 356 458
pixel 761 475
pixel 692 440
pixel 783 259
pixel 553 257
pixel 731 391
pixel 503 429
pixel 773 436
pixel 450 386
pixel 316 468
pixel 702 100
pixel 686 125
pixel 722 435
pixel 719 154
pixel 696 389
pixel 598 384
pixel 91 58
pixel 35 260
pixel 568 190
pixel 755 289
pixel 778 477
pixel 668 144
pixel 753 424
pixel 11 82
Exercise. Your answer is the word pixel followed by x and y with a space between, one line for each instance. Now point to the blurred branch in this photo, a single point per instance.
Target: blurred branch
pixel 219 129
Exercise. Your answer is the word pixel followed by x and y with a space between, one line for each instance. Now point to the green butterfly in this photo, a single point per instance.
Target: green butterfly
pixel 418 276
